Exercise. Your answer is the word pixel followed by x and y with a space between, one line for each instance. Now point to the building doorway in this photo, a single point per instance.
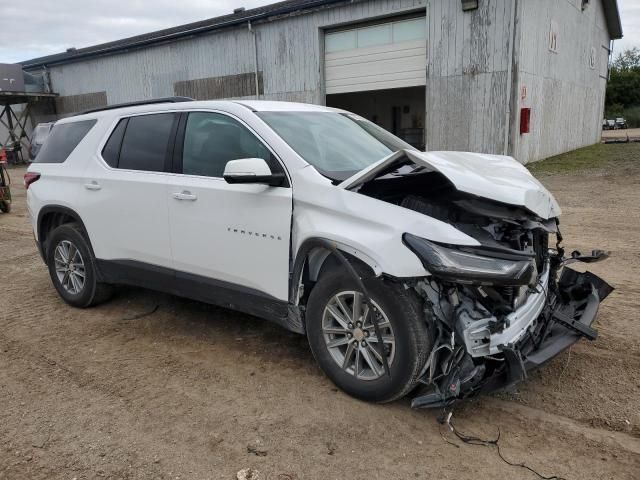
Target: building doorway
pixel 398 110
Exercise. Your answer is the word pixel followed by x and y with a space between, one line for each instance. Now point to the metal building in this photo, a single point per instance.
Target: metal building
pixel 520 77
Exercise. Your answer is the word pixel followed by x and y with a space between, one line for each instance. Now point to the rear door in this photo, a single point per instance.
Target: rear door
pixel 228 238
pixel 123 202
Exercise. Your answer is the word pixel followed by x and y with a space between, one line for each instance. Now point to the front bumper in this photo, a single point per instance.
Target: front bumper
pixel 541 330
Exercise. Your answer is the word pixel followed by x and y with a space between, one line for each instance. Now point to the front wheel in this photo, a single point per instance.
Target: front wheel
pixel 345 345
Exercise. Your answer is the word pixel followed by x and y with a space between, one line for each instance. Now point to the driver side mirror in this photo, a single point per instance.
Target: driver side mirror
pixel 252 170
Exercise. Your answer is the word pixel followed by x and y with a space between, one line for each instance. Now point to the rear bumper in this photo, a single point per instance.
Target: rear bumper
pixel 565 317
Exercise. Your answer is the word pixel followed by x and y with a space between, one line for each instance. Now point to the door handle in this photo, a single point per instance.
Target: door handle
pixel 92 186
pixel 185 195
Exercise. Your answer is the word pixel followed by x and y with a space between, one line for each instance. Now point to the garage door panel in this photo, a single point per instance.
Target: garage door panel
pixel 379 76
pixel 332 61
pixel 379 52
pixel 364 69
pixel 377 82
pixel 391 55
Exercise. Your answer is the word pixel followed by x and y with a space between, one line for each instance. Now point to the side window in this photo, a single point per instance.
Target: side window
pixel 63 140
pixel 111 150
pixel 212 139
pixel 145 142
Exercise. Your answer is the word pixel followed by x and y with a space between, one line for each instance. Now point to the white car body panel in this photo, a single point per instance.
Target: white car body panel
pixel 233 233
pixel 495 177
pixel 127 217
pixel 372 228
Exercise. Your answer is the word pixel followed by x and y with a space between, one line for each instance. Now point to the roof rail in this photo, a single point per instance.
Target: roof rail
pixel 135 104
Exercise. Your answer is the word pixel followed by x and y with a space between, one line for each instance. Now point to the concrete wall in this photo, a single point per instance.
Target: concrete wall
pixel 564 89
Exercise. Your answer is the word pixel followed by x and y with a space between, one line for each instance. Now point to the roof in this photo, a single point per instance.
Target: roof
pixel 611 11
pixel 226 105
pixel 612 15
pixel 14 98
pixel 169 34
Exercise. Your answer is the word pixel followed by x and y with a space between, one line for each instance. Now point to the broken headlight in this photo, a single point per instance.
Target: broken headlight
pixel 471 268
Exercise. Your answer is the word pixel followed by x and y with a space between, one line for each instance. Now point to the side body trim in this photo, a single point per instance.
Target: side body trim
pixel 196 287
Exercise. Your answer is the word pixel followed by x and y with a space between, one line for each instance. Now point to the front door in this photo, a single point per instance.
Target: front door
pixel 227 239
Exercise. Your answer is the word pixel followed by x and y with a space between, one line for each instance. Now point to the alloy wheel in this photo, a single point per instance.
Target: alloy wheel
pixel 69 266
pixel 350 337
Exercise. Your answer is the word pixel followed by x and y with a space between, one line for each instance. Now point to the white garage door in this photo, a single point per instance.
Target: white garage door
pixel 376 57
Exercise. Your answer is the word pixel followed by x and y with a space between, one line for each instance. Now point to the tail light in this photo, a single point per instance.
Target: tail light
pixel 29 178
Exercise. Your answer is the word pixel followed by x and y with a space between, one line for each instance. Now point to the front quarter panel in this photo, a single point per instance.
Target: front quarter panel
pixel 368 228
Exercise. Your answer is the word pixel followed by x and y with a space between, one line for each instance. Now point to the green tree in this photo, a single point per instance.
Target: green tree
pixel 624 83
pixel 627 61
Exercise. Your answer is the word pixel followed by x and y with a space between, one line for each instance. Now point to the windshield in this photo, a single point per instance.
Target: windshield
pixel 337 144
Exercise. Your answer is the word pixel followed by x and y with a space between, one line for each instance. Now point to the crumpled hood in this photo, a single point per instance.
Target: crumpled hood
pixel 495 177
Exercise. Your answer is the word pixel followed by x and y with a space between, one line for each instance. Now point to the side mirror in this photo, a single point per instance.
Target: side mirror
pixel 251 170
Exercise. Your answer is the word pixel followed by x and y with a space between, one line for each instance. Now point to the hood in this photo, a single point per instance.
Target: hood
pixel 494 177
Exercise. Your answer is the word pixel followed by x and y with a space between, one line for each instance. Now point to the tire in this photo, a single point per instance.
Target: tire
pixel 5 207
pixel 398 308
pixel 75 291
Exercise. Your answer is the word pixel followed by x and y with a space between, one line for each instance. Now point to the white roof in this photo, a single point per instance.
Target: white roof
pixel 225 105
pixel 269 106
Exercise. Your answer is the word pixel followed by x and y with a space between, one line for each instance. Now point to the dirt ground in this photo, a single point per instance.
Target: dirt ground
pixel 197 392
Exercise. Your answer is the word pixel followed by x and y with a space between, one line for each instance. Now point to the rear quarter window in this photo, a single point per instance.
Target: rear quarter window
pixel 63 140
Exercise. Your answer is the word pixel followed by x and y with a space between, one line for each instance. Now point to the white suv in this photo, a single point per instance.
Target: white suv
pixel 401 267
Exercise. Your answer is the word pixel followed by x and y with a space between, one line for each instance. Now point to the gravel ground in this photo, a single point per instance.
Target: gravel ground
pixel 633 133
pixel 190 391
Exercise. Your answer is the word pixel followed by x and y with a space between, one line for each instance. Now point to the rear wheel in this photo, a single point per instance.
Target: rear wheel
pixel 72 267
pixel 344 342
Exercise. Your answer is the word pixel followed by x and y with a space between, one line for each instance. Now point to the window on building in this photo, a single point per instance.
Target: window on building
pixel 376 35
pixel 145 142
pixel 408 30
pixel 63 140
pixel 213 139
pixel 373 36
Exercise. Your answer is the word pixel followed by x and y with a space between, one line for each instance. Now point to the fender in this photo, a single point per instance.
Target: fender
pixel 60 210
pixel 319 249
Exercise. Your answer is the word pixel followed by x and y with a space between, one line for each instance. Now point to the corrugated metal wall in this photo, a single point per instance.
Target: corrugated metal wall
pixel 469 90
pixel 467 81
pixel 565 89
pixel 289 55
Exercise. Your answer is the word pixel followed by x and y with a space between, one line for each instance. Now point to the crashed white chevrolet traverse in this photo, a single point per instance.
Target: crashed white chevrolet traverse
pixel 443 269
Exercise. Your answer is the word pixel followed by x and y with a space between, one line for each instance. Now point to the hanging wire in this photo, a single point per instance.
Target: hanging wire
pixel 473 440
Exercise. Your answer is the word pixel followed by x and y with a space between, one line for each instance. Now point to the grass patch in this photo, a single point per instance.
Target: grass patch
pixel 599 156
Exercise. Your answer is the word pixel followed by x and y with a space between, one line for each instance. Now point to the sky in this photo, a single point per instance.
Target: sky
pixel 34 28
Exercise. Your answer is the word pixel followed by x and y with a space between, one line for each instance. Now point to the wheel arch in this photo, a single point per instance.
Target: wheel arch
pixel 315 257
pixel 52 216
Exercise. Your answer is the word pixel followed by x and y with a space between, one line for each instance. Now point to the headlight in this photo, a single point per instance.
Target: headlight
pixel 463 267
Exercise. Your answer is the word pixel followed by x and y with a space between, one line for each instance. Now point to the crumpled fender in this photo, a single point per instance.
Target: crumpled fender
pixel 367 228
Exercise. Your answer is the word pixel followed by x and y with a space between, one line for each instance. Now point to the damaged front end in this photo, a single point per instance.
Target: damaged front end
pixel 499 309
pixel 485 342
pixel 501 312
